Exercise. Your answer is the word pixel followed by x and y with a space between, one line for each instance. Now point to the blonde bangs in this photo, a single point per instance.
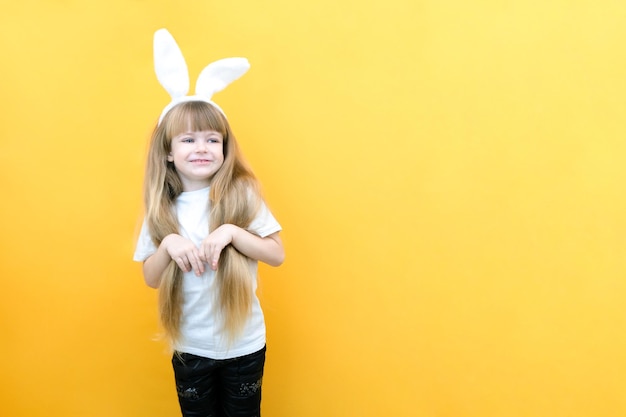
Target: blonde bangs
pixel 194 116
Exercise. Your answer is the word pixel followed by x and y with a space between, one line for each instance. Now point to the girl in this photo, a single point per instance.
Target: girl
pixel 205 228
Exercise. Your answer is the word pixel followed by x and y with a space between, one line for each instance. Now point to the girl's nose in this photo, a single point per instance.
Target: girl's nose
pixel 201 146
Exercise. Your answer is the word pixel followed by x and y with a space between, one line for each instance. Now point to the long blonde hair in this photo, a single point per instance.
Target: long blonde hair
pixel 234 199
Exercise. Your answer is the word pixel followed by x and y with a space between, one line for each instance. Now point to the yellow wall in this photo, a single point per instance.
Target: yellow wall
pixel 449 175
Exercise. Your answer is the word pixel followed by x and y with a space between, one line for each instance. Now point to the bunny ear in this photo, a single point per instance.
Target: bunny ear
pixel 217 75
pixel 170 65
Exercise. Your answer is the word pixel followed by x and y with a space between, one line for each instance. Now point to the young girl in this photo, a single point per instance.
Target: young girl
pixel 205 228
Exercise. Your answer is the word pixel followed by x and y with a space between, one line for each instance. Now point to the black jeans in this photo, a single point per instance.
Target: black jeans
pixel 219 388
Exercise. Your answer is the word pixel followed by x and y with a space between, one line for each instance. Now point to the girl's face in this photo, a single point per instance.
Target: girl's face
pixel 197 156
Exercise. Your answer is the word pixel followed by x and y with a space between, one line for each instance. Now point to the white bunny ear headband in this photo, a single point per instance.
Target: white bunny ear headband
pixel 172 73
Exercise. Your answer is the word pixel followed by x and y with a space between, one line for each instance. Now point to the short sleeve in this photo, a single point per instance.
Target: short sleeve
pixel 145 247
pixel 264 224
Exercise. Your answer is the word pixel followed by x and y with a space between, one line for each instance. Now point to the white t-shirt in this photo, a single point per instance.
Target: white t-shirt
pixel 201 329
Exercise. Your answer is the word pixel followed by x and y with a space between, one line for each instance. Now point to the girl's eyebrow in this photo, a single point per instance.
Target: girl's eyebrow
pixel 211 133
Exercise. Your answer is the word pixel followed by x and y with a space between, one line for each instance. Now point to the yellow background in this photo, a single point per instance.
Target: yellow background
pixel 449 176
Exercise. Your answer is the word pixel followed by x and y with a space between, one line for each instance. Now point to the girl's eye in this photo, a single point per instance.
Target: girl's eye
pixel 188 140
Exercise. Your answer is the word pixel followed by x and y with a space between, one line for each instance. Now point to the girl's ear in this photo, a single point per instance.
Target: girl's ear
pixel 170 157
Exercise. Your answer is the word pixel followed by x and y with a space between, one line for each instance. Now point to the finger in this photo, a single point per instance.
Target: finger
pixel 215 258
pixel 204 254
pixel 182 263
pixel 197 265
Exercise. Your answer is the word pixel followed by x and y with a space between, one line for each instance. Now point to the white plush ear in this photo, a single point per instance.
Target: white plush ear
pixel 170 65
pixel 217 75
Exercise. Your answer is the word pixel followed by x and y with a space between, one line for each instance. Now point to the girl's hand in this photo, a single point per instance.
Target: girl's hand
pixel 213 244
pixel 184 253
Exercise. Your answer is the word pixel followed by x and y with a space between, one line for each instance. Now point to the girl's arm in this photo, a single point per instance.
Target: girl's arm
pixel 172 247
pixel 267 249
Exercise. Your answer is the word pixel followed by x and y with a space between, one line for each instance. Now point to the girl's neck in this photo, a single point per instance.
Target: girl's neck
pixel 195 189
pixel 190 186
